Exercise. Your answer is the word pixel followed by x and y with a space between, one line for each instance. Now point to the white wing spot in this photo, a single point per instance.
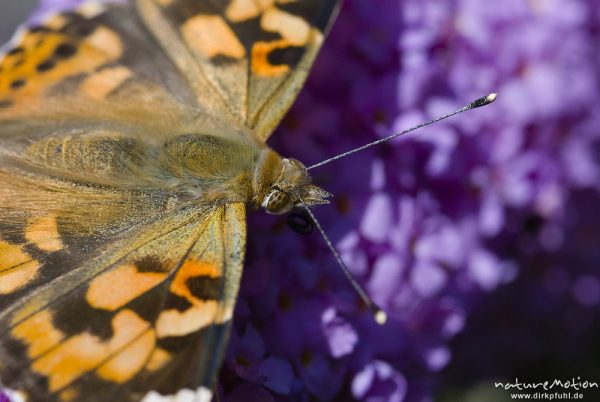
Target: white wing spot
pixel 202 394
pixel 91 9
pixel 14 396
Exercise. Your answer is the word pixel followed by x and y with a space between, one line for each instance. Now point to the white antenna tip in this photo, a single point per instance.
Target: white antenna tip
pixel 380 317
pixel 491 97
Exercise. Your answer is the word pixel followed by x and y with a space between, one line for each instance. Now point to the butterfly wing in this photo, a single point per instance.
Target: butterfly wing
pixel 98 66
pixel 87 54
pixel 148 309
pixel 105 290
pixel 254 54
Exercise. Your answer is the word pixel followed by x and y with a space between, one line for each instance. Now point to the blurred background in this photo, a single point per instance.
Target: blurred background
pixel 480 236
pixel 13 13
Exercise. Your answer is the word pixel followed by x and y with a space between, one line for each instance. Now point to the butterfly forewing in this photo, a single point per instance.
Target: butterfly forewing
pixel 254 55
pixel 89 55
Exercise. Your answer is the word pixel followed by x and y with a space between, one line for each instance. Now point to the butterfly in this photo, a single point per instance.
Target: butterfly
pixel 132 142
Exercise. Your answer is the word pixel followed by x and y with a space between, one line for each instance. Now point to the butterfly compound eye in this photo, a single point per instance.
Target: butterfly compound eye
pixel 278 202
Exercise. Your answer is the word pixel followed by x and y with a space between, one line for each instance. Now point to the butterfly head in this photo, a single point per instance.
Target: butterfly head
pixel 292 183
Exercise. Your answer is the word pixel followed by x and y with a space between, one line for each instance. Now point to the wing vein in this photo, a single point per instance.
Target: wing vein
pixel 15 266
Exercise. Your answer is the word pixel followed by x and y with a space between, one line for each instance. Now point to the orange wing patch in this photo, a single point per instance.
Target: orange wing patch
pixel 210 36
pixel 114 289
pixel 130 360
pixel 17 267
pixel 43 232
pixel 158 359
pixel 38 333
pixel 180 323
pixel 291 28
pixel 90 9
pixel 260 59
pixel 81 353
pixel 100 84
pixel 107 41
pixel 201 312
pixel 241 10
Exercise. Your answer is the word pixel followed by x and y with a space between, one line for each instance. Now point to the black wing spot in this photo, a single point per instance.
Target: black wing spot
pixel 316 12
pixel 18 63
pixel 39 29
pixel 6 103
pixel 205 287
pixel 65 51
pixel 15 51
pixel 16 84
pixel 175 302
pixel 46 66
pixel 289 56
pixel 85 30
pixel 150 263
pixel 77 317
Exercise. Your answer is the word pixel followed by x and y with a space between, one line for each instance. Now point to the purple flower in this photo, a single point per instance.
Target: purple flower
pixel 276 374
pixel 425 230
pixel 586 290
pixel 249 393
pixel 340 335
pixel 46 7
pixel 378 381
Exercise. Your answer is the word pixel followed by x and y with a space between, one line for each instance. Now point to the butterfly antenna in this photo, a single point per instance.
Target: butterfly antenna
pixel 379 315
pixel 484 100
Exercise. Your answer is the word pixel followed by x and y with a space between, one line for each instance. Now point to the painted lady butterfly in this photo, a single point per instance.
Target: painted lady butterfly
pixel 132 141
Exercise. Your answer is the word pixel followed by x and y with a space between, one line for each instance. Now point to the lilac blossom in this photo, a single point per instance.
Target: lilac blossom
pixel 433 222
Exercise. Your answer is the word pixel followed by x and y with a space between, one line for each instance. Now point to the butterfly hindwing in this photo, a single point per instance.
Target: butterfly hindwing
pixel 254 54
pixel 148 313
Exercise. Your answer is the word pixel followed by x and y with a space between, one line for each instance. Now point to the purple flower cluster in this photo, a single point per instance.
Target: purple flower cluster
pixel 430 223
pixel 546 323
